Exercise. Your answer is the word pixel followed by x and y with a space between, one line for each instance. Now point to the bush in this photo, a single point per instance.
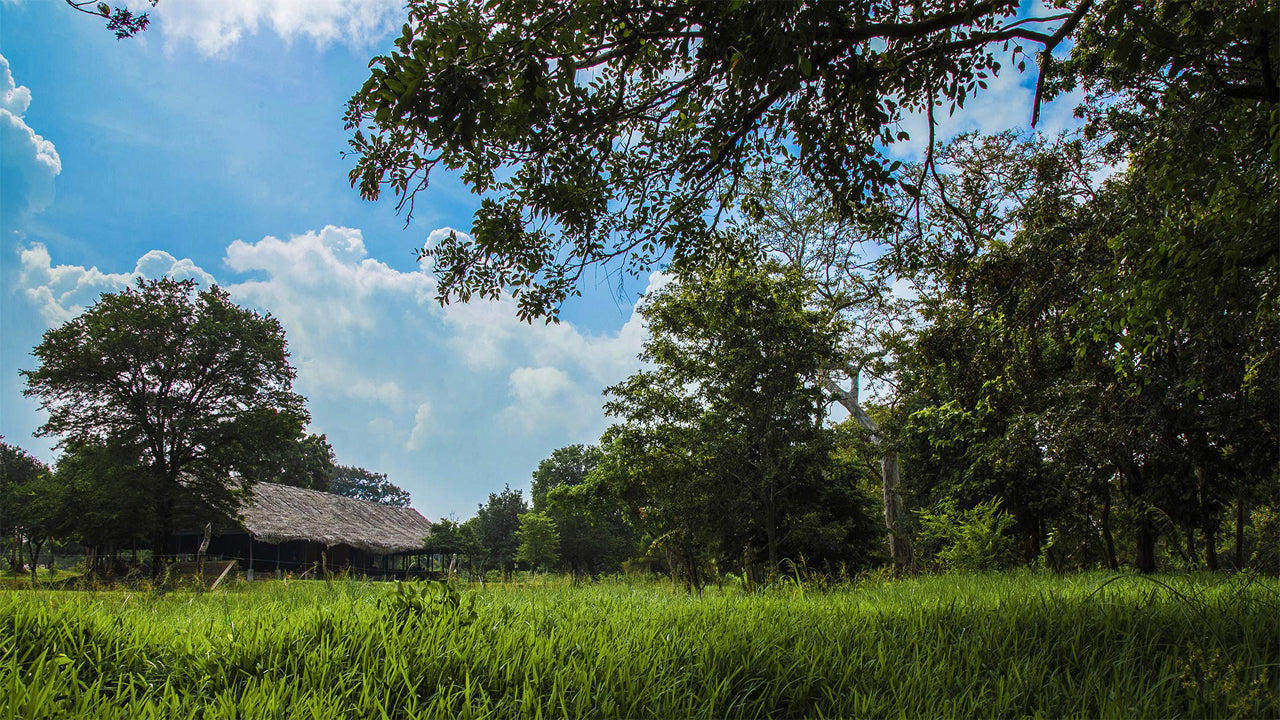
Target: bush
pixel 1266 555
pixel 968 540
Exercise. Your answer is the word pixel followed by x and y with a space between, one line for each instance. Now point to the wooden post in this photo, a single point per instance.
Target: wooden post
pixel 225 570
pixel 250 571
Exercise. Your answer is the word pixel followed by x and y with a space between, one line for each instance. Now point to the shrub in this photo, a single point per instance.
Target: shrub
pixel 968 540
pixel 1266 555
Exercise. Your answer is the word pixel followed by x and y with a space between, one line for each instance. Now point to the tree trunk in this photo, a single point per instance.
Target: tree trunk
pixel 899 541
pixel 1108 540
pixel 163 536
pixel 34 549
pixel 1240 516
pixel 1211 548
pixel 18 564
pixel 771 537
pixel 1190 531
pixel 1146 555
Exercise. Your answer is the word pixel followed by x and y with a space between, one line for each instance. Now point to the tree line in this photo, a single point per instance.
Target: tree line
pixel 1069 340
pixel 1056 350
pixel 169 403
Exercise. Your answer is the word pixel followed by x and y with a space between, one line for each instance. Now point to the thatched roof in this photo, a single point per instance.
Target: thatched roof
pixel 281 513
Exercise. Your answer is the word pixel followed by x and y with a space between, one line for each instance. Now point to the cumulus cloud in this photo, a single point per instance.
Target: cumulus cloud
pixel 540 396
pixel 436 397
pixel 61 292
pixel 216 25
pixel 338 305
pixel 421 426
pixel 28 162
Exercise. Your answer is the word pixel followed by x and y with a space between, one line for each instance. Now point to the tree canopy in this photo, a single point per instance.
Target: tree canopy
pixel 620 130
pixel 720 446
pixel 191 381
pixel 362 484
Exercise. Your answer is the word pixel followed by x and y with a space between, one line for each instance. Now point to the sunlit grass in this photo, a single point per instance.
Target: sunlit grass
pixel 996 645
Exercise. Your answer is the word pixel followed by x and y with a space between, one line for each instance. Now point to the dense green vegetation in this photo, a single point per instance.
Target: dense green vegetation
pixel 1004 645
pixel 1055 353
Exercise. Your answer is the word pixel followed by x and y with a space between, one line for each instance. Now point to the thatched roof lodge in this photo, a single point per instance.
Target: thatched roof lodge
pixel 282 513
pixel 282 528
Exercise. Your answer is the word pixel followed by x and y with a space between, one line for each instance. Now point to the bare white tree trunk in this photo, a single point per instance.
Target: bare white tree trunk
pixel 899 541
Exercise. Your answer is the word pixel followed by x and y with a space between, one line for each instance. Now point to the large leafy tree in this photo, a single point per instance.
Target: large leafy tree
pixel 495 526
pixel 733 405
pixel 22 476
pixel 791 220
pixel 619 130
pixel 194 382
pixel 362 484
pixel 567 466
pixel 1109 336
pixel 306 461
pixel 1187 96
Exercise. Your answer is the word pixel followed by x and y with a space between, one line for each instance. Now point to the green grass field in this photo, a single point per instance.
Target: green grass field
pixel 996 645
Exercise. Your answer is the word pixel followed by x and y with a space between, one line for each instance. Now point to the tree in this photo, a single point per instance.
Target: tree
pixel 594 534
pixel 790 219
pixel 361 484
pixel 196 383
pixel 539 540
pixel 108 495
pixel 120 20
pixel 450 538
pixel 306 461
pixel 568 466
pixel 496 523
pixel 733 399
pixel 22 476
pixel 620 130
pixel 594 537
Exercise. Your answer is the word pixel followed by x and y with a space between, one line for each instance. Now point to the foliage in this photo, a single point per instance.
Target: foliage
pixel 1006 645
pixel 970 540
pixel 539 540
pixel 496 523
pixel 416 601
pixel 568 466
pixel 529 101
pixel 196 384
pixel 120 20
pixel 448 537
pixel 721 443
pixel 21 474
pixel 361 484
pixel 306 461
pixel 107 494
pixel 35 504
pixel 1266 556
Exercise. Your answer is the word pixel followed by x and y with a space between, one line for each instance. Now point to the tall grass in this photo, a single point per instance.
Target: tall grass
pixel 990 645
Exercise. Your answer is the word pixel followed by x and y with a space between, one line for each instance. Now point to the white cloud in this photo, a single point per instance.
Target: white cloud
pixel 421 426
pixel 60 292
pixel 216 25
pixel 28 162
pixel 546 401
pixel 451 402
pixel 13 98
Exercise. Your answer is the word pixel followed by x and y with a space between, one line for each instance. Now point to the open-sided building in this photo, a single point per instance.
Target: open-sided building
pixel 285 529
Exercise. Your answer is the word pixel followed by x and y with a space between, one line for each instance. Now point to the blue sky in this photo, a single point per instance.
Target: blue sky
pixel 210 147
